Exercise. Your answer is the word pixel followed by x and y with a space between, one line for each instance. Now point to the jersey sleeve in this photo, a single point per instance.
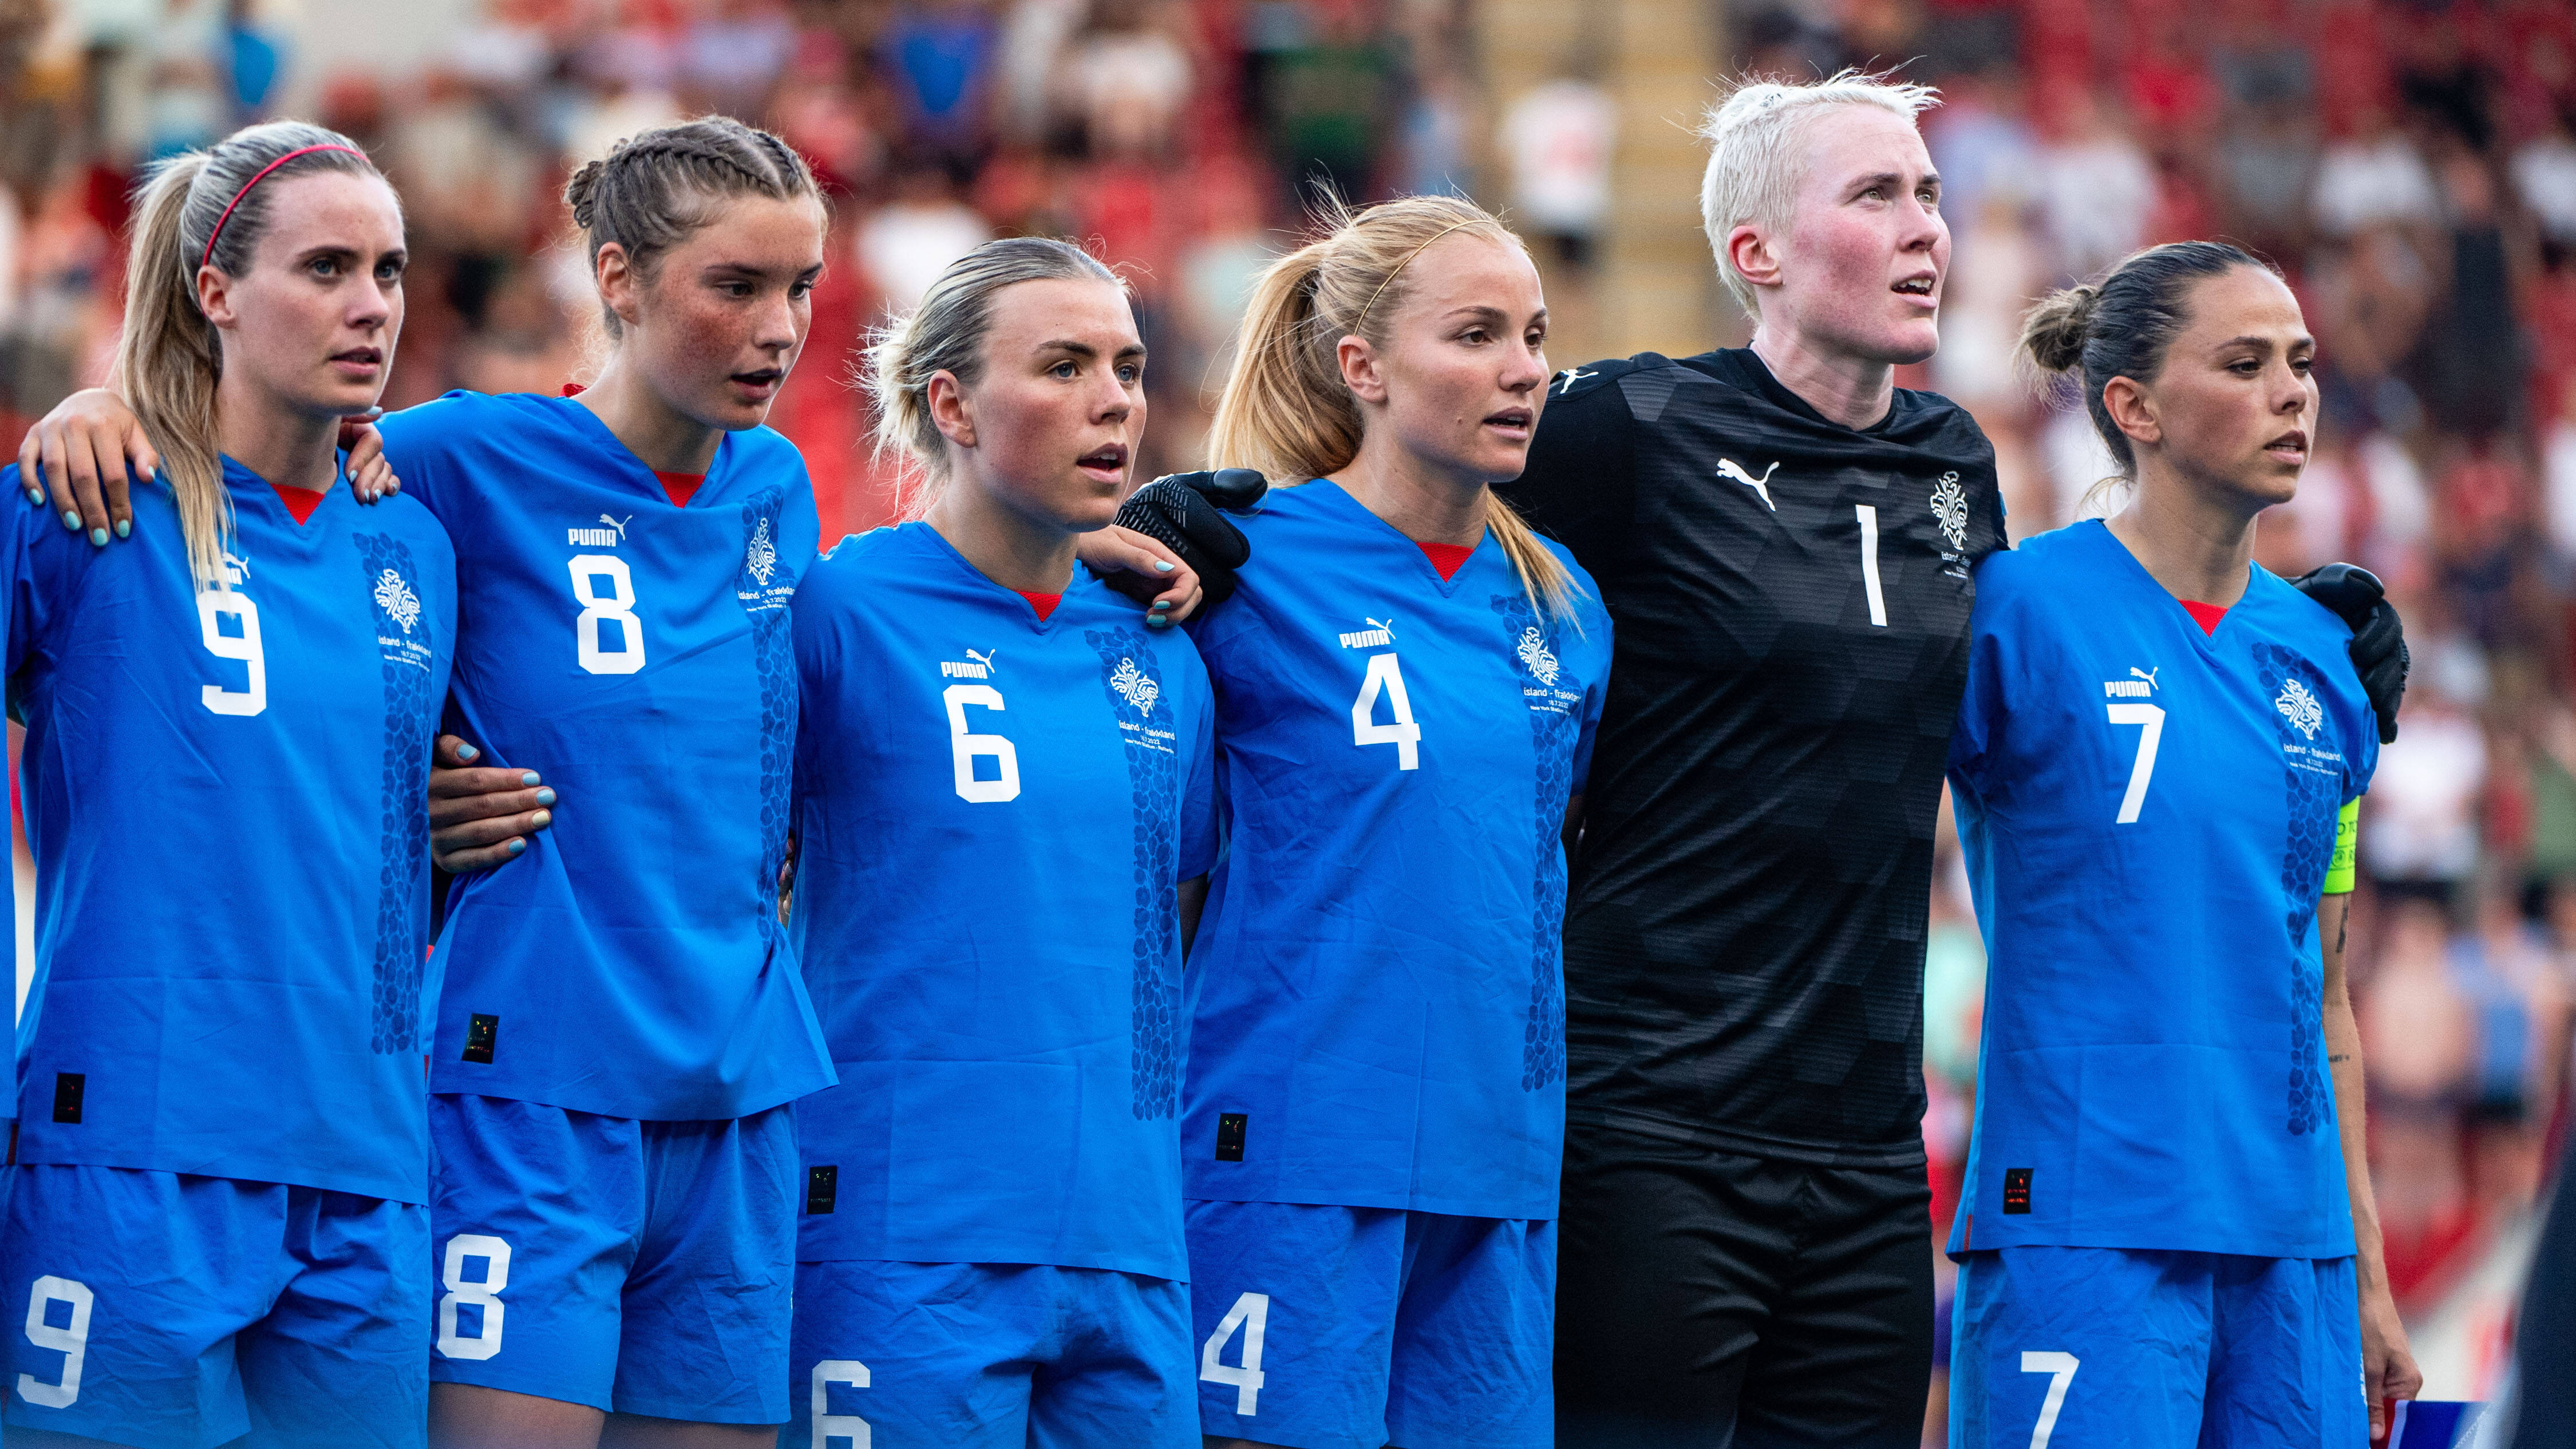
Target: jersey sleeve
pixel 412 448
pixel 1595 695
pixel 1982 704
pixel 1580 487
pixel 800 528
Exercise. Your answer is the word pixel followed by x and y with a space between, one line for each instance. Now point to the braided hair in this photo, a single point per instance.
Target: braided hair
pixel 654 189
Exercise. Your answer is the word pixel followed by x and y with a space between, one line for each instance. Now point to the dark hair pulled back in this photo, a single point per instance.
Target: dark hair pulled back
pixel 2122 325
pixel 654 189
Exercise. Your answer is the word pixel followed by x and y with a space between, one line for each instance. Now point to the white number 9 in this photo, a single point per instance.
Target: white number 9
pixel 245 646
pixel 72 1341
pixel 628 656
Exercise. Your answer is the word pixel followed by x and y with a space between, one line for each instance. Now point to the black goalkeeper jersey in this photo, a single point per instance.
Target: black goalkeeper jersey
pixel 1744 937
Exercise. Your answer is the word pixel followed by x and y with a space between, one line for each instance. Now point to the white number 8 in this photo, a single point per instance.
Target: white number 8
pixel 485 1295
pixel 73 1341
pixel 965 749
pixel 245 646
pixel 619 606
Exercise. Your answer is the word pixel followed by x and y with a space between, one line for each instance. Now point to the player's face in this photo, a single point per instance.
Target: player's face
pixel 1464 366
pixel 726 311
pixel 313 320
pixel 2236 399
pixel 1862 265
pixel 1057 415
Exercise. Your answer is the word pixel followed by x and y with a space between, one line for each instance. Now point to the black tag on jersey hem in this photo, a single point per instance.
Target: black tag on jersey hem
pixel 2016 1190
pixel 69 1089
pixel 1230 1129
pixel 482 1033
pixel 822 1188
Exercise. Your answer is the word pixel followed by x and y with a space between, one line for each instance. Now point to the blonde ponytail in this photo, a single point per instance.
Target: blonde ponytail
pixel 197 209
pixel 1286 411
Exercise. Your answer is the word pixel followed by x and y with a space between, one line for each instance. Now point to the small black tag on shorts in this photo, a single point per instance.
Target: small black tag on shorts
pixel 2016 1189
pixel 480 1033
pixel 1229 1135
pixel 68 1090
pixel 822 1185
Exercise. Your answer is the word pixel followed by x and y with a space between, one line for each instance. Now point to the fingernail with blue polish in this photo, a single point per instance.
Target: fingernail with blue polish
pixel 124 527
pixel 1162 603
pixel 98 538
pixel 1157 621
pixel 546 797
pixel 36 495
pixel 529 778
pixel 71 520
pixel 1162 567
pixel 467 752
pixel 516 846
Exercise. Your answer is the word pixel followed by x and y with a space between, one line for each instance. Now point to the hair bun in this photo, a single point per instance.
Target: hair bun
pixel 2056 331
pixel 581 193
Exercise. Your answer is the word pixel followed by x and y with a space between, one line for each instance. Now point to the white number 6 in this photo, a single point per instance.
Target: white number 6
pixel 73 1341
pixel 964 748
pixel 829 1426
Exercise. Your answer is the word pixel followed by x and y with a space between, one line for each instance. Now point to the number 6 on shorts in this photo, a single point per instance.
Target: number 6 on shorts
pixel 2061 1367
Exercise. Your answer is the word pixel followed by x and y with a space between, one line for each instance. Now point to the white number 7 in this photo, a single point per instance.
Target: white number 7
pixel 2062 1365
pixel 2144 770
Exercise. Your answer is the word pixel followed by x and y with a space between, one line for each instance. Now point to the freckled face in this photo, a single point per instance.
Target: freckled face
pixel 726 311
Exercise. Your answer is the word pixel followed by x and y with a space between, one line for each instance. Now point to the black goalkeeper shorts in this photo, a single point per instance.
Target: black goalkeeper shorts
pixel 1707 1300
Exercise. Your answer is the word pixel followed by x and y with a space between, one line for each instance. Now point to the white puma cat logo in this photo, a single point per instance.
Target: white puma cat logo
pixel 1729 468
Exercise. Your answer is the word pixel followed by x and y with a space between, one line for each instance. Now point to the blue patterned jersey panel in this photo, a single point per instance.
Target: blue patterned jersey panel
pixel 994 813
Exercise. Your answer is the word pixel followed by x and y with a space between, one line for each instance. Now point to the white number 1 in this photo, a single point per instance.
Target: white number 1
pixel 1869 563
pixel 2061 1365
pixel 2153 718
pixel 1404 734
pixel 1250 1314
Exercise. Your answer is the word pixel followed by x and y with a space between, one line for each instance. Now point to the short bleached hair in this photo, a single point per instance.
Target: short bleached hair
pixel 1755 159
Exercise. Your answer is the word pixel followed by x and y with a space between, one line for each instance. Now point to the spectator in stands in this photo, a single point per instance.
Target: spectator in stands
pixel 2372 176
pixel 904 245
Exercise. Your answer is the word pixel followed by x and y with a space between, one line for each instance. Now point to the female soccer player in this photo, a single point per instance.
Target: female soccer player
pixel 991 1250
pixel 221 1210
pixel 2166 1235
pixel 1407 680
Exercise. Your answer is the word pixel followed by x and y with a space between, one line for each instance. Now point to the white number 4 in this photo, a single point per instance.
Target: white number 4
pixel 2061 1365
pixel 1404 734
pixel 2144 770
pixel 850 1429
pixel 1251 1315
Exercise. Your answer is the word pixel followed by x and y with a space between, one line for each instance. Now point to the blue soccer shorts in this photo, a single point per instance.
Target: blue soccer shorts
pixel 1326 1327
pixel 989 1356
pixel 170 1311
pixel 637 1267
pixel 2115 1347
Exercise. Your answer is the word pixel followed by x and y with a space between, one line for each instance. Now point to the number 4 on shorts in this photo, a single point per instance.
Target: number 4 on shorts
pixel 2061 1367
pixel 1250 1314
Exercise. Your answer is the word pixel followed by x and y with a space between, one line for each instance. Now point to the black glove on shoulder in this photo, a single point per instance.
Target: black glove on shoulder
pixel 1181 511
pixel 2378 645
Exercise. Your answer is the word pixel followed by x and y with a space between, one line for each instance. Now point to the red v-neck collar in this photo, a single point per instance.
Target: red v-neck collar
pixel 300 502
pixel 1446 558
pixel 680 487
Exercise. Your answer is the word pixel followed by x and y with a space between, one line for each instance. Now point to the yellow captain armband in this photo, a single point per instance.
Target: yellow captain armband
pixel 2347 835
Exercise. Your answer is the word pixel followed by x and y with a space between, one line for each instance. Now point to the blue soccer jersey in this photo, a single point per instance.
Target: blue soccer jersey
pixel 1378 990
pixel 637 655
pixel 2148 813
pixel 224 795
pixel 993 813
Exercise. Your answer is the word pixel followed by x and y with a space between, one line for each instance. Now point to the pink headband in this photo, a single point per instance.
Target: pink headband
pixel 209 257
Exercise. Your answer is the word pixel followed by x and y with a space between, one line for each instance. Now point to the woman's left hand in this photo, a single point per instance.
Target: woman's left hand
pixel 1143 570
pixel 2388 1368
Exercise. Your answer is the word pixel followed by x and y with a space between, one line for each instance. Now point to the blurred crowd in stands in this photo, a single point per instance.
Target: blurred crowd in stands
pixel 2410 164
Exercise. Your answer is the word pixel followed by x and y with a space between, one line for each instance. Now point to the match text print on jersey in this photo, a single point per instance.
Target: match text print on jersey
pixel 1385 678
pixel 71 1339
pixel 828 1426
pixel 966 747
pixel 591 628
pixel 1249 1316
pixel 2060 1367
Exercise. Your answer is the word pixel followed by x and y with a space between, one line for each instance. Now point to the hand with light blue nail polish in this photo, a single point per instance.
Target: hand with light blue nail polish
pixel 482 816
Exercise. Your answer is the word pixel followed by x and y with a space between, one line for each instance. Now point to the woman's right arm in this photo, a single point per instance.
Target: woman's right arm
pixel 83 451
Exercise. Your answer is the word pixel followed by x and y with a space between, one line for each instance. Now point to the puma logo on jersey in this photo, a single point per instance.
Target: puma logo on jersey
pixel 982 668
pixel 2141 686
pixel 1380 634
pixel 1729 468
pixel 1573 375
pixel 609 537
pixel 236 569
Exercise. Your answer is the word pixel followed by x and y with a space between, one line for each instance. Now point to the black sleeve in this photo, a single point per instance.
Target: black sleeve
pixel 1581 486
